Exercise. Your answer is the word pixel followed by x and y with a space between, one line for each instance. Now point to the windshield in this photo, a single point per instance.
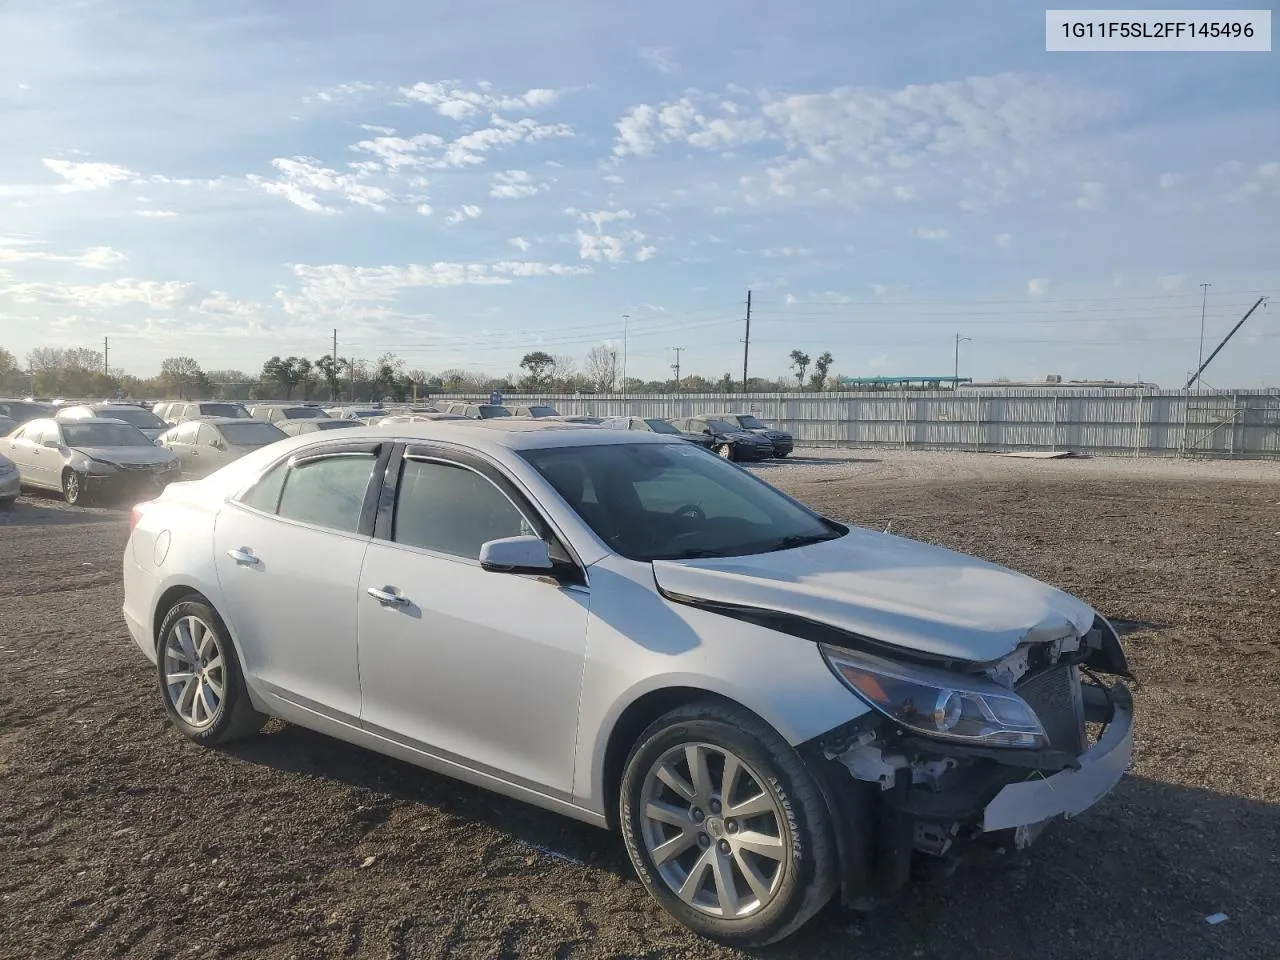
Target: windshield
pixel 336 424
pixel 257 434
pixel 22 412
pixel 661 426
pixel 751 423
pixel 489 410
pixel 303 413
pixel 103 435
pixel 135 416
pixel 543 412
pixel 724 426
pixel 224 410
pixel 672 501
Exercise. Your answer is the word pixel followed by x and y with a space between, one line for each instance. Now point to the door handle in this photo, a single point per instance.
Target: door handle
pixel 387 596
pixel 244 556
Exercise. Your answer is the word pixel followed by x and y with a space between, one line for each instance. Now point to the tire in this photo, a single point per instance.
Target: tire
pixel 74 489
pixel 783 455
pixel 7 504
pixel 188 702
pixel 788 889
pixel 727 451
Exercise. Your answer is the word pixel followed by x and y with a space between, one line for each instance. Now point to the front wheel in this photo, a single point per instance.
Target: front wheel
pixel 200 679
pixel 73 488
pixel 727 452
pixel 725 826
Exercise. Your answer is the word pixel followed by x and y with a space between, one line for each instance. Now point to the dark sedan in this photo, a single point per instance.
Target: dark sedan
pixel 783 442
pixel 727 439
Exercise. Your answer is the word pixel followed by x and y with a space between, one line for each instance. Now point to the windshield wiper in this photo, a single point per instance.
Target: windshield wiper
pixel 798 540
pixel 697 554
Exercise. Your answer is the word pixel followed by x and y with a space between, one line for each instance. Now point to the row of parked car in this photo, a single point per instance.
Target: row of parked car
pixel 82 450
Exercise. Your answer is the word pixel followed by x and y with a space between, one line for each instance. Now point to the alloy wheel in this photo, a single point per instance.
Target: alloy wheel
pixel 71 488
pixel 726 451
pixel 195 671
pixel 713 830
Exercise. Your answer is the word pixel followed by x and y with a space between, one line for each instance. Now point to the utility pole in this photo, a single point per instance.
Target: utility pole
pixel 334 361
pixel 106 352
pixel 1196 376
pixel 351 366
pixel 676 367
pixel 956 374
pixel 746 344
pixel 626 317
pixel 1204 302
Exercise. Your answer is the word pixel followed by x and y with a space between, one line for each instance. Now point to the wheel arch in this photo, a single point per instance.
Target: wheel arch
pixel 633 721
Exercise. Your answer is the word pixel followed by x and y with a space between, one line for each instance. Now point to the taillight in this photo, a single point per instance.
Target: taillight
pixel 136 514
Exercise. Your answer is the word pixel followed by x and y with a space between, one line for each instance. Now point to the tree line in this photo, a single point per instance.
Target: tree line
pixel 82 372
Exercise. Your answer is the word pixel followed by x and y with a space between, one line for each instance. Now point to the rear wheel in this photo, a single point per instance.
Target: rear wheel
pixel 200 678
pixel 74 488
pixel 725 826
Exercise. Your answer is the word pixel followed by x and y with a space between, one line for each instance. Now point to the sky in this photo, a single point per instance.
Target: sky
pixel 463 184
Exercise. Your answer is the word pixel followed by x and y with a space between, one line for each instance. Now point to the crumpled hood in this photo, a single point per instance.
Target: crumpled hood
pixel 890 589
pixel 126 454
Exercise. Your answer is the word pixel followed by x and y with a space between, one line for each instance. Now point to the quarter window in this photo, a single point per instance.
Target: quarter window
pixel 265 494
pixel 451 509
pixel 329 492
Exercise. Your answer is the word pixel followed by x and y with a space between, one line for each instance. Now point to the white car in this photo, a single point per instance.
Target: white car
pixel 768 705
pixel 82 459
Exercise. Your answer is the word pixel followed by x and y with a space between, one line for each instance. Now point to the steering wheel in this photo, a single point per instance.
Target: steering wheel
pixel 690 510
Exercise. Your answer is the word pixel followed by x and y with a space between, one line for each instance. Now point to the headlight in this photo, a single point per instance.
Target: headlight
pixel 937 703
pixel 100 467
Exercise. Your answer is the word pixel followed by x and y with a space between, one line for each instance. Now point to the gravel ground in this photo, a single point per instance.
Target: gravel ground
pixel 120 839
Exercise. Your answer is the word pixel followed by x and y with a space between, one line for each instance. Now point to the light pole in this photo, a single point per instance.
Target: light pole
pixel 955 382
pixel 626 317
pixel 1204 302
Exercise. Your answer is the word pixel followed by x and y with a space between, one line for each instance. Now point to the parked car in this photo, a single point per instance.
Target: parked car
pixel 579 418
pixel 180 411
pixel 10 482
pixel 362 414
pixel 767 704
pixel 536 411
pixel 294 428
pixel 7 426
pixel 203 446
pixel 82 459
pixel 783 442
pixel 727 439
pixel 656 425
pixel 276 412
pixel 20 411
pixel 148 424
pixel 474 411
pixel 395 418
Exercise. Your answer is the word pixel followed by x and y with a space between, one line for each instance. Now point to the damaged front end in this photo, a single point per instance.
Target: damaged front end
pixel 968 754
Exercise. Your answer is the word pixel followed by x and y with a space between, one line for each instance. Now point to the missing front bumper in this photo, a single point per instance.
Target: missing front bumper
pixel 1069 792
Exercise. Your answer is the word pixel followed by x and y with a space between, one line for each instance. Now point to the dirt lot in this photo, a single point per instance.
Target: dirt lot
pixel 120 839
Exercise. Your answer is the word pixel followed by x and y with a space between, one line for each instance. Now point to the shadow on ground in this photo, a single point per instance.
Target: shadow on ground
pixel 1087 888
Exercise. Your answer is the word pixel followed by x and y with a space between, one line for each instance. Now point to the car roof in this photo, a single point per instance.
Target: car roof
pixel 505 433
pixel 84 420
pixel 219 421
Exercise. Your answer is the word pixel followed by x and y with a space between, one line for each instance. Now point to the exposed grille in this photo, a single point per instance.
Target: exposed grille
pixel 137 466
pixel 1054 695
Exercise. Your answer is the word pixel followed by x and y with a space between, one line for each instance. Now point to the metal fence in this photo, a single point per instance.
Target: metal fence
pixel 1101 422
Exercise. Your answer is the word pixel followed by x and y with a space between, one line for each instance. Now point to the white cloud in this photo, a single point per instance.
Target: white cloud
pixel 1004 239
pixel 903 192
pixel 457 103
pixel 24 86
pixel 614 178
pixel 424 209
pixel 646 253
pixel 468 211
pixel 303 180
pixel 514 184
pixel 469 148
pixel 881 289
pixel 157 295
pixel 595 246
pixel 773 253
pixel 662 59
pixel 533 268
pixel 157 214
pixel 1269 171
pixel 520 243
pixel 1036 286
pixel 932 233
pixel 1093 196
pixel 1169 180
pixel 691 120
pixel 15 250
pixel 790 299
pixel 397 152
pixel 374 128
pixel 341 91
pixel 89 175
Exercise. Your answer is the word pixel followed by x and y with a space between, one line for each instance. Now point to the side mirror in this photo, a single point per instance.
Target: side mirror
pixel 52 443
pixel 706 431
pixel 516 555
